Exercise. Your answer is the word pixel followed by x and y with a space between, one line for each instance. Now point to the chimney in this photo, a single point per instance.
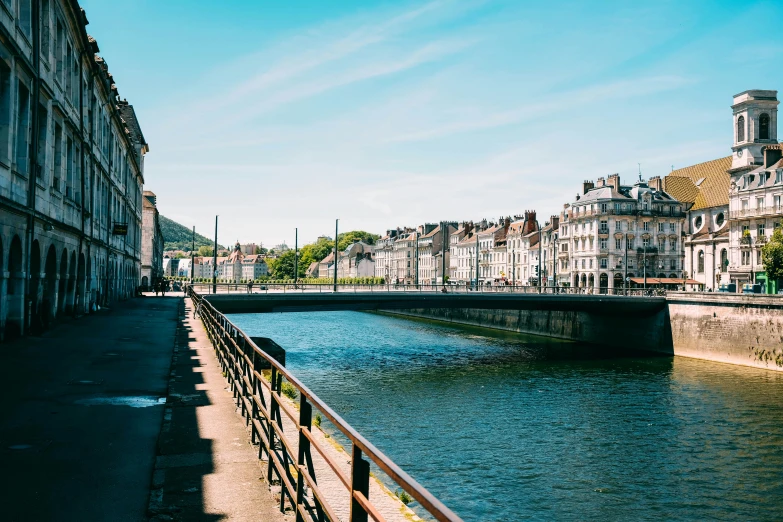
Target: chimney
pixel 530 222
pixel 772 155
pixel 656 183
pixel 555 220
pixel 600 182
pixel 614 181
pixel 587 185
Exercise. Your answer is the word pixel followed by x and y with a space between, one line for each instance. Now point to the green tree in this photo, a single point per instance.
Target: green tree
pixel 283 266
pixel 772 255
pixel 344 240
pixel 205 251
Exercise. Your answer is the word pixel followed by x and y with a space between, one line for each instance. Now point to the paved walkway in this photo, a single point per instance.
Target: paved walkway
pixel 81 413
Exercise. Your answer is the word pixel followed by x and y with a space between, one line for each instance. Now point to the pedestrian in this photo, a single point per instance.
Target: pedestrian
pixel 157 288
pixel 250 287
pixel 164 285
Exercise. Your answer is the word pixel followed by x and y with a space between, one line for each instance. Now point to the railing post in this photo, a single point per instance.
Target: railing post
pixel 360 481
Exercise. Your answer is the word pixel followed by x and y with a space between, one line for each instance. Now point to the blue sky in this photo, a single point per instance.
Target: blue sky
pixel 283 114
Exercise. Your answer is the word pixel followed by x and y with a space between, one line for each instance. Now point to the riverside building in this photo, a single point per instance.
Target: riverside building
pixel 756 186
pixel 71 170
pixel 615 231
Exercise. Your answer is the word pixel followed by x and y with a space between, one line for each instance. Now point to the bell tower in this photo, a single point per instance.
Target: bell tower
pixel 755 126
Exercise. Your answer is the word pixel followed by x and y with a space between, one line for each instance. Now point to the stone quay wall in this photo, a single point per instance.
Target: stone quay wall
pixel 730 328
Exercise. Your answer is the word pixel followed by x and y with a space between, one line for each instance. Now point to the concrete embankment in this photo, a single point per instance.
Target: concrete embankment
pixel 729 328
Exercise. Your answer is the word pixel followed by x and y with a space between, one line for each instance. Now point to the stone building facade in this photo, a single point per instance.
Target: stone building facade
pixel 613 231
pixel 151 242
pixel 71 170
pixel 756 186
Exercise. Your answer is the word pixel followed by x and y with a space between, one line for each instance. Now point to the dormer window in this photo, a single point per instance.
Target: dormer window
pixel 764 127
pixel 740 129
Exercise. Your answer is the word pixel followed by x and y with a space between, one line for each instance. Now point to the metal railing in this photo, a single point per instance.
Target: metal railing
pixel 290 455
pixel 751 212
pixel 518 288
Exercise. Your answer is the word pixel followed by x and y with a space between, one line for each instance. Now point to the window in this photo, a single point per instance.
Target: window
pixel 629 244
pixel 45 36
pixel 604 207
pixel 618 244
pixel 673 264
pixel 760 229
pixel 720 219
pixel 604 243
pixel 701 262
pixel 22 130
pixel 760 203
pixel 758 257
pixel 646 225
pixel 604 226
pixel 43 121
pixel 617 207
pixel 745 257
pixel 645 242
pixel 740 129
pixel 603 262
pixel 58 157
pixel 672 227
pixel 745 205
pixel 591 263
pixel 661 227
pixel 618 225
pixel 583 263
pixel 764 127
pixel 5 111
pixel 697 223
pixel 779 176
pixel 69 182
pixel 776 203
pixel 26 17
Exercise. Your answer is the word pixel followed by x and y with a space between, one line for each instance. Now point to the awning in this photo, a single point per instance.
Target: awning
pixel 664 281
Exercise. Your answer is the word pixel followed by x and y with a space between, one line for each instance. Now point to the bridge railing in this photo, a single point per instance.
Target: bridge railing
pixel 288 443
pixel 261 288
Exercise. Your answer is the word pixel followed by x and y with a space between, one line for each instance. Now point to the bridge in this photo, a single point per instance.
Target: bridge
pixel 607 305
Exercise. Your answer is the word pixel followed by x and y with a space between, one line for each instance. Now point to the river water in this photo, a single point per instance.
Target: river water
pixel 505 427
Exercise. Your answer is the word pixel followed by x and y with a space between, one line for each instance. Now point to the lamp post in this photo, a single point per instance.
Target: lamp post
pixel 644 264
pixel 540 240
pixel 625 277
pixel 193 256
pixel 296 257
pixel 336 221
pixel 214 260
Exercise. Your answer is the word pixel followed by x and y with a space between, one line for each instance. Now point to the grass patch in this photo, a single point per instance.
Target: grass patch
pixel 317 420
pixel 289 390
pixel 403 496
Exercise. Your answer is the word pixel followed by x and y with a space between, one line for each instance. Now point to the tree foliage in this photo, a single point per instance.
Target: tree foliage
pixel 205 251
pixel 772 255
pixel 282 267
pixel 179 237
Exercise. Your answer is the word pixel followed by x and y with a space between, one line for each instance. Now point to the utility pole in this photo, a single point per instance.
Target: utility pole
pixel 214 260
pixel 625 278
pixel 540 240
pixel 336 221
pixel 477 260
pixel 296 256
pixel 554 259
pixel 444 236
pixel 417 259
pixel 193 256
pixel 644 263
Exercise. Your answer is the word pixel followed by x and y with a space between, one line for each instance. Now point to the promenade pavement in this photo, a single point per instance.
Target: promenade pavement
pixel 81 413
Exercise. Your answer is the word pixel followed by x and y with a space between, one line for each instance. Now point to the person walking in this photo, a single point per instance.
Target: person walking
pixel 250 287
pixel 157 287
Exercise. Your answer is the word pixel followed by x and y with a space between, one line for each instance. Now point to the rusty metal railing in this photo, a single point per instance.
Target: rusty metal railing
pixel 290 464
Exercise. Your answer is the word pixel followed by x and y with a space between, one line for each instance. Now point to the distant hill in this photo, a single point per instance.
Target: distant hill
pixel 178 237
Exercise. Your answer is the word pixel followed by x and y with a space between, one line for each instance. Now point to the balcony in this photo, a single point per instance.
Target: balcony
pixel 650 250
pixel 755 212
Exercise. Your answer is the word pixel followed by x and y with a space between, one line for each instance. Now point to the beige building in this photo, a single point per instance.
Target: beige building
pixel 522 245
pixel 71 170
pixel 756 186
pixel 704 190
pixel 151 242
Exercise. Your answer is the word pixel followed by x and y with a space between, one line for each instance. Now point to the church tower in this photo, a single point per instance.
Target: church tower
pixel 755 126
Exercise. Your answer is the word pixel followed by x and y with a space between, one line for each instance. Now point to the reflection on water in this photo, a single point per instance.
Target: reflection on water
pixel 507 427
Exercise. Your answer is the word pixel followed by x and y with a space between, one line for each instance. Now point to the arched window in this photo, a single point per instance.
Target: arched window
pixel 740 129
pixel 724 260
pixel 764 127
pixel 701 261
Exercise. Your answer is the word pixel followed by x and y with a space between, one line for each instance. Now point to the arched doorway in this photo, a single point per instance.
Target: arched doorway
pixel 618 283
pixel 603 283
pixel 62 290
pixel 576 280
pixel 15 318
pixel 583 281
pixel 35 285
pixel 81 278
pixel 49 300
pixel 71 304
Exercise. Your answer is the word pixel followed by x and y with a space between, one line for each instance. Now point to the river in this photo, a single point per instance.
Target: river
pixel 506 427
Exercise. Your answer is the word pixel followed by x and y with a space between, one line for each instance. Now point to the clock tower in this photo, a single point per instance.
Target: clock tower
pixel 755 126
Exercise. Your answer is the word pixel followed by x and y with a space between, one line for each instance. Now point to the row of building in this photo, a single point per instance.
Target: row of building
pixel 699 227
pixel 71 171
